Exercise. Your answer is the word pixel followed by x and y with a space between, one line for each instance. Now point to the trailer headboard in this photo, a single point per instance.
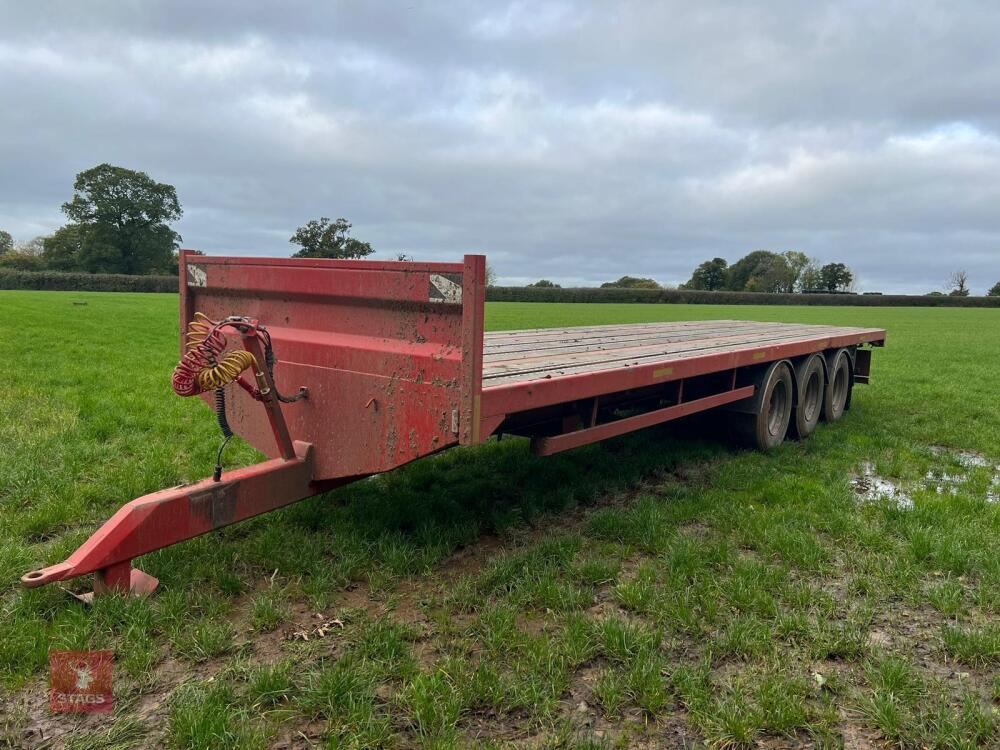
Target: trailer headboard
pixel 391 352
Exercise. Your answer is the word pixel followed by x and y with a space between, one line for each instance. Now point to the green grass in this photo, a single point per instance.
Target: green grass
pixel 678 589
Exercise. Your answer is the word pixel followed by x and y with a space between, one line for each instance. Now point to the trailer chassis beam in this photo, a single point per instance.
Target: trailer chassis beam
pixel 167 517
pixel 546 446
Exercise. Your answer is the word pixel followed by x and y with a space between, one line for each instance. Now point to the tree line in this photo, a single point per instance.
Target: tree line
pixel 119 223
pixel 759 271
pixel 766 271
pixel 778 273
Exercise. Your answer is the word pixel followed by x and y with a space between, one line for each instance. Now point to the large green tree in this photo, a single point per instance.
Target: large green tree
pixel 760 271
pixel 63 250
pixel 545 284
pixel 119 223
pixel 810 278
pixel 6 242
pixel 994 290
pixel 835 277
pixel 709 276
pixel 798 262
pixel 324 238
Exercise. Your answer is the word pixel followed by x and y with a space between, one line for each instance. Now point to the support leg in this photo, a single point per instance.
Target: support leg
pixel 117 577
pixel 123 579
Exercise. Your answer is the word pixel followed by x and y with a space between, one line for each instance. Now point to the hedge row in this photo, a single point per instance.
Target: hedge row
pixel 683 296
pixel 96 282
pixel 85 282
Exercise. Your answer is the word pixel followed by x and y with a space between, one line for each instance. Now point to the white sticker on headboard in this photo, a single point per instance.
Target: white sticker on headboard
pixel 445 288
pixel 197 276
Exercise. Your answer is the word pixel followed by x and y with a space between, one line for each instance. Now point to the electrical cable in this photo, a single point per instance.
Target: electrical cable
pixel 227 431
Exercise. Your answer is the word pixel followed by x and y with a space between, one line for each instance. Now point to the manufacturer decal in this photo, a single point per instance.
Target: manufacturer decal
pixel 445 288
pixel 197 275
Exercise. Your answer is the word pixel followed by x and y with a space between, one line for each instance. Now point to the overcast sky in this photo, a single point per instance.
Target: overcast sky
pixel 572 141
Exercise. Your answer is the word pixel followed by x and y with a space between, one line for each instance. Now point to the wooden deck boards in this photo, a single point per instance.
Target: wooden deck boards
pixel 519 356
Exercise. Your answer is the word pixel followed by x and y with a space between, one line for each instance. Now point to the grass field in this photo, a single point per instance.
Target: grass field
pixel 653 591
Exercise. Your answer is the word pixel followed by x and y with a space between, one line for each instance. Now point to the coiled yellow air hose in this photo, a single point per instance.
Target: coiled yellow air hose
pixel 203 366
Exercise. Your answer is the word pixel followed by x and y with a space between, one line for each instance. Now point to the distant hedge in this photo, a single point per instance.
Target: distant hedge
pixel 683 296
pixel 85 282
pixel 98 282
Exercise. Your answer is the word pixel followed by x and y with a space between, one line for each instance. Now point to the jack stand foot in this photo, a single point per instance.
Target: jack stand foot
pixel 120 578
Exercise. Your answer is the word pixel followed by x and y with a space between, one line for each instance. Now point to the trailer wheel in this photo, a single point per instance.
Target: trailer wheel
pixel 810 378
pixel 766 427
pixel 838 387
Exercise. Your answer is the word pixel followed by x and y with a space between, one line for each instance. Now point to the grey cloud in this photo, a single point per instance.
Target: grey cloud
pixel 572 141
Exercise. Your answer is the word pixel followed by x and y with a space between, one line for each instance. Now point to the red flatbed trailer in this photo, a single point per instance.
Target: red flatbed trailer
pixel 394 365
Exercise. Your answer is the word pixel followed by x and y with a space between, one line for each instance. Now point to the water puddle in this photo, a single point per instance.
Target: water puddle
pixel 943 482
pixel 870 487
pixel 971 460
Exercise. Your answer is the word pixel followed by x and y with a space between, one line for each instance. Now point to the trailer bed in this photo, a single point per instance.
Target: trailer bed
pixel 511 357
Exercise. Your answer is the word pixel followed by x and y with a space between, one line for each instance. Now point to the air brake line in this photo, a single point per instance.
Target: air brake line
pixel 206 366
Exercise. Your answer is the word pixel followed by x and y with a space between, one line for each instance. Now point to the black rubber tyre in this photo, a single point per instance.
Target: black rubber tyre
pixel 767 428
pixel 838 386
pixel 810 381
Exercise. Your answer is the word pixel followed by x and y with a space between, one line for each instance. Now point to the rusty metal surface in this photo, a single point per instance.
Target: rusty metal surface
pixel 389 351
